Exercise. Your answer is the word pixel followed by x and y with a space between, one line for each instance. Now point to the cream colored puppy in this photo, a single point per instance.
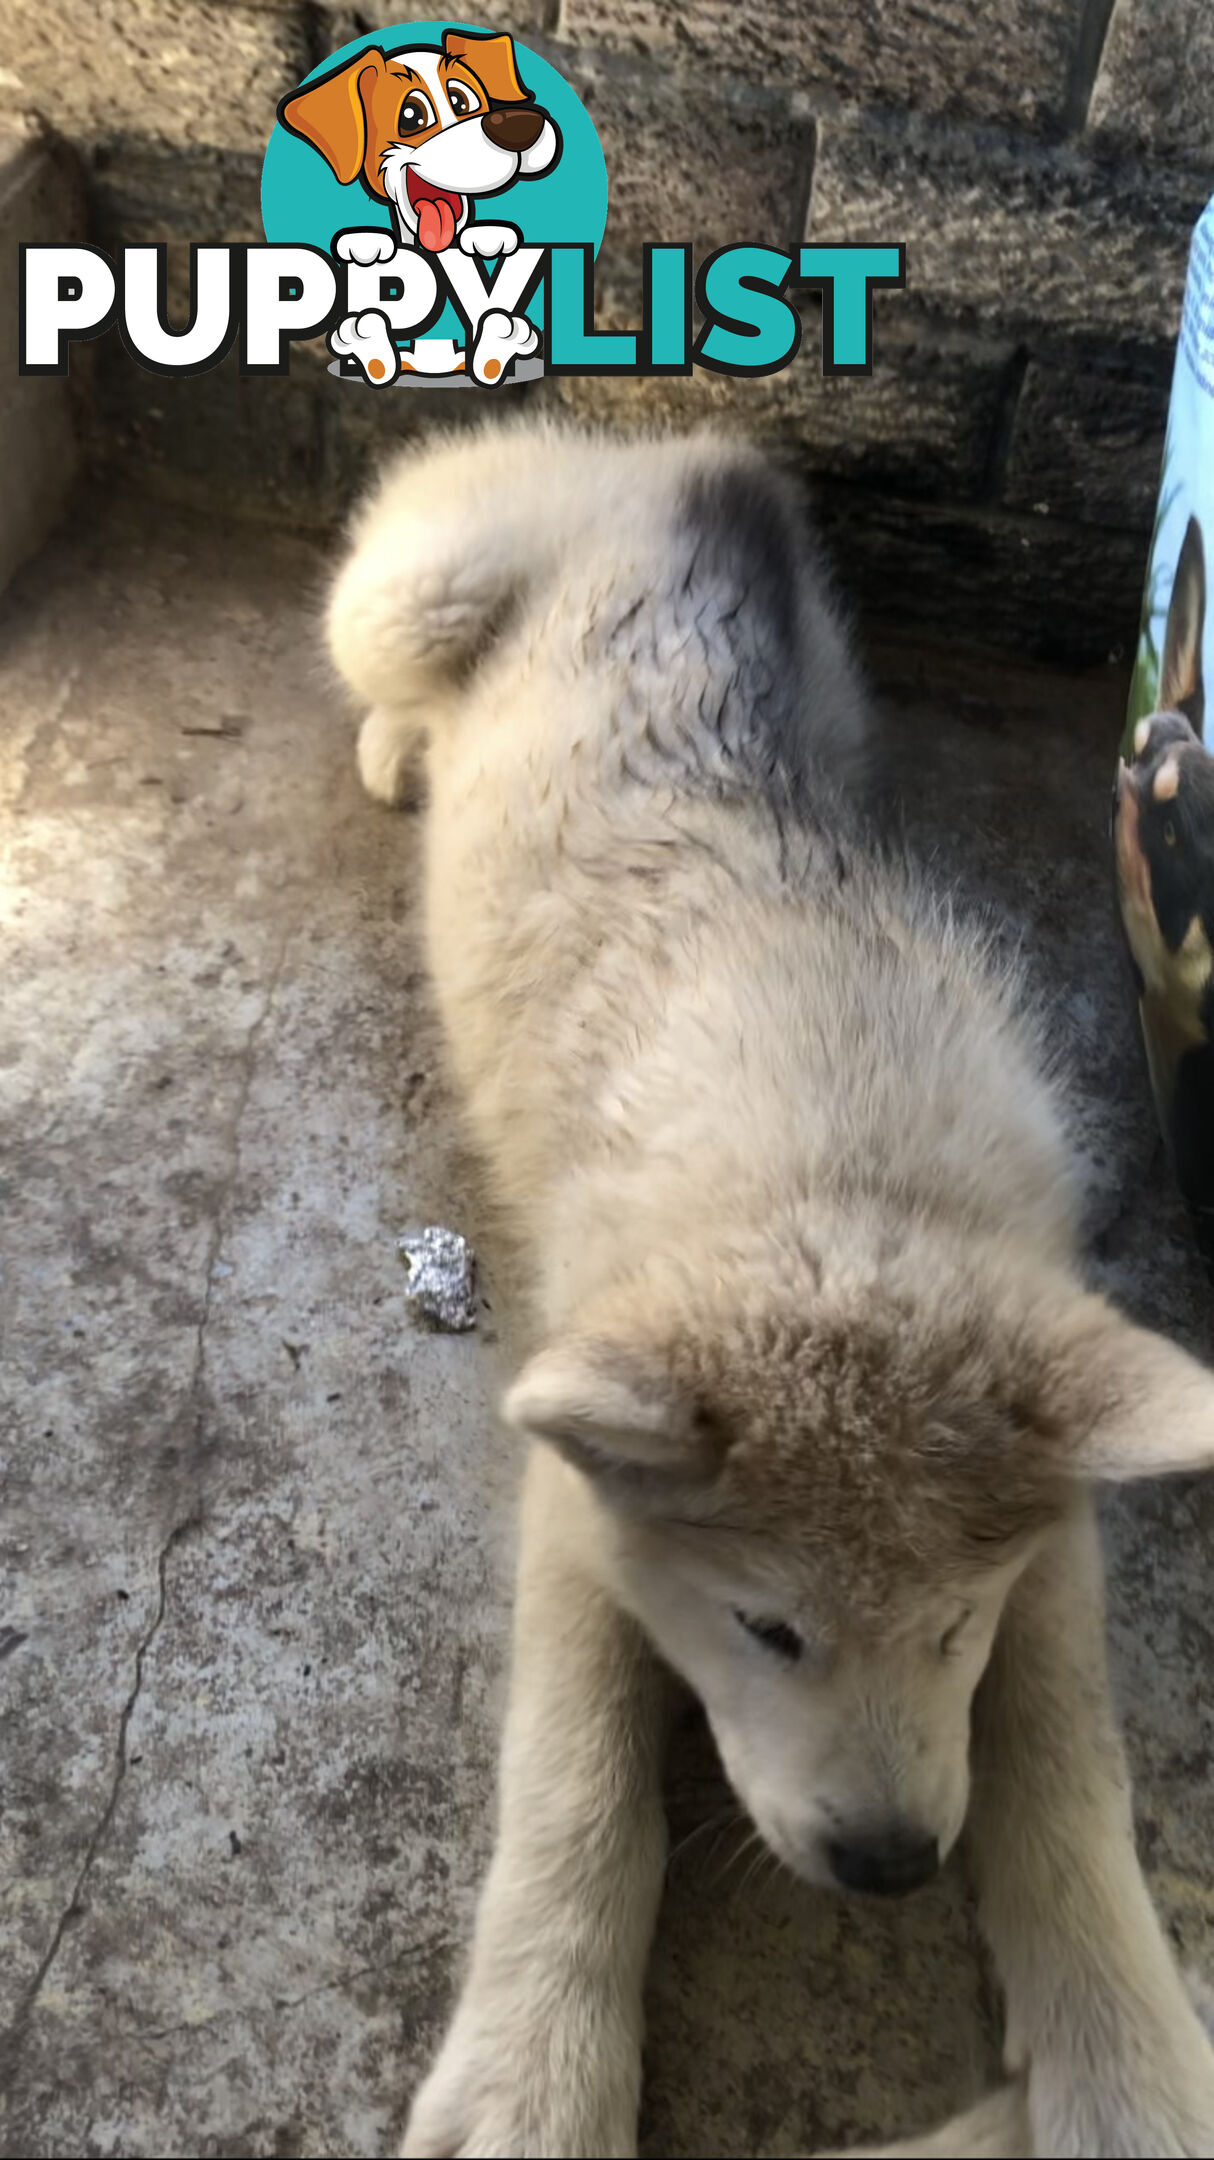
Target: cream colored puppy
pixel 817 1397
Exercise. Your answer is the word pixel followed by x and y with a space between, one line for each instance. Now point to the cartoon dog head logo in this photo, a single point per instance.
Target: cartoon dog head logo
pixel 410 132
pixel 427 131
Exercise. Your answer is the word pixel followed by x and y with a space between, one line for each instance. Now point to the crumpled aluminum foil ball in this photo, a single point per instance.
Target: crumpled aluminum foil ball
pixel 442 1277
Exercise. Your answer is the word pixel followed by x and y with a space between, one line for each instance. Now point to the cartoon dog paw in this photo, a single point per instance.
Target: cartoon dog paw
pixel 364 247
pixel 489 239
pixel 367 339
pixel 501 339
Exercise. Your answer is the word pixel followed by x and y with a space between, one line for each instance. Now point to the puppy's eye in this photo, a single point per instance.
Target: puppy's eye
pixel 775 1635
pixel 1169 833
pixel 460 100
pixel 415 113
pixel 950 1641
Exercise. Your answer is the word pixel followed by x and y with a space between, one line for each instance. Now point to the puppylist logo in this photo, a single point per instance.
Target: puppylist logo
pixel 433 199
pixel 441 179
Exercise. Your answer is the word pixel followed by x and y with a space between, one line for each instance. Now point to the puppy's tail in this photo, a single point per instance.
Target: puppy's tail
pixel 440 557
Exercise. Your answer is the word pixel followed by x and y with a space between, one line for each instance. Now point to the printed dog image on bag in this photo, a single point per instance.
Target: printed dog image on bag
pixel 1164 838
pixel 1163 809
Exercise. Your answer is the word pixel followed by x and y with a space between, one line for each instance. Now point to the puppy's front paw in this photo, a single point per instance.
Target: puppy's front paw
pixel 995 2129
pixel 568 2085
pixel 1155 2100
pixel 385 756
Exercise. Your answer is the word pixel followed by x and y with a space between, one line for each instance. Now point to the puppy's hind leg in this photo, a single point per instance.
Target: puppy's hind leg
pixel 387 753
pixel 411 611
pixel 440 558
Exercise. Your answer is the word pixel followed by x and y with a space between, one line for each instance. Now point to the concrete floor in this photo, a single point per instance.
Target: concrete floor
pixel 255 1526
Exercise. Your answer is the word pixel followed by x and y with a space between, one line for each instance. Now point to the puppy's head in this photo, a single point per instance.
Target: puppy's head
pixel 427 130
pixel 818 1494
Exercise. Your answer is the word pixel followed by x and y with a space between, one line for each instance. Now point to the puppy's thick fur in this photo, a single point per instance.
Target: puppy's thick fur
pixel 817 1394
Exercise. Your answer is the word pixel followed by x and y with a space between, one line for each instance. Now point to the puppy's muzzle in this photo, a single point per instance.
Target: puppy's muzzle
pixel 885 1864
pixel 514 130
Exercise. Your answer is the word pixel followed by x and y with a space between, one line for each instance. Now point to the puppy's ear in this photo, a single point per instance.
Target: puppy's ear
pixel 1112 1401
pixel 614 1414
pixel 491 59
pixel 331 114
pixel 1181 688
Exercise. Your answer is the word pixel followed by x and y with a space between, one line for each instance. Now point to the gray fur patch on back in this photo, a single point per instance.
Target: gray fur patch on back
pixel 739 682
pixel 746 538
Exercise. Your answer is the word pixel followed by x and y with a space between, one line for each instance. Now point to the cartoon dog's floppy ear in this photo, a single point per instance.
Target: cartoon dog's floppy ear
pixel 491 59
pixel 1180 684
pixel 331 114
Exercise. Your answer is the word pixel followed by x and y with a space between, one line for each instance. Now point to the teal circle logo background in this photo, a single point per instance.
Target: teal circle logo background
pixel 302 200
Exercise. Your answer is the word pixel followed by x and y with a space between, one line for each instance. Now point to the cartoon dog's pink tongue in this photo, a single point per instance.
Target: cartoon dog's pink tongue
pixel 437 210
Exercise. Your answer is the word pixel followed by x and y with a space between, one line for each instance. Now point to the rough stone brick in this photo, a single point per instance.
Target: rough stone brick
pixel 298 448
pixel 923 421
pixel 240 444
pixel 40 200
pixel 1087 444
pixel 1066 241
pixel 340 20
pixel 517 15
pixel 140 195
pixel 1155 86
pixel 1042 587
pixel 191 73
pixel 184 194
pixel 998 59
pixel 730 165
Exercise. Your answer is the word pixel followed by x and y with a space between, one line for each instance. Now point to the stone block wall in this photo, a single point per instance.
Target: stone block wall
pixel 1043 160
pixel 40 200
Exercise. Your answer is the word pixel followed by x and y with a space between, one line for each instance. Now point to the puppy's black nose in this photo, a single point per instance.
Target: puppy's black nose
pixel 886 1864
pixel 513 130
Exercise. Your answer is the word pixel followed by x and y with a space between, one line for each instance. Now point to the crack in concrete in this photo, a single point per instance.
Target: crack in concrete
pixel 248 1058
pixel 42 735
pixel 378 1968
pixel 12 2040
pixel 1095 23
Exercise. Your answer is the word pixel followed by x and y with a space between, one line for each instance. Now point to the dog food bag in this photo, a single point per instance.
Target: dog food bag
pixel 1163 812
